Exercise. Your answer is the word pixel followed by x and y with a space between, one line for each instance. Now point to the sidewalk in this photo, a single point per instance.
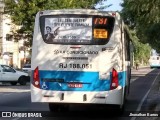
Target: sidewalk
pixel 140 67
pixel 142 70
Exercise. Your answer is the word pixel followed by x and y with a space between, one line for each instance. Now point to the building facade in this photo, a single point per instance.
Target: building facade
pixel 11 52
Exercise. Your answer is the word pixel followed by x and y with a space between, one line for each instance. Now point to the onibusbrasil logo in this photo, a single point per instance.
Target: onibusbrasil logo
pixel 21 114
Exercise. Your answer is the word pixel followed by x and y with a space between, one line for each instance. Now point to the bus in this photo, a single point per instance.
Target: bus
pixel 80 56
pixel 154 61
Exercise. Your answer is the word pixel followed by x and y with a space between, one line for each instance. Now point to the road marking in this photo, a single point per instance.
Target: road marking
pixel 133 79
pixel 5 94
pixel 13 90
pixel 140 104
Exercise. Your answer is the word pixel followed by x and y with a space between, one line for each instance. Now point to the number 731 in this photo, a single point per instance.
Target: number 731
pixel 101 21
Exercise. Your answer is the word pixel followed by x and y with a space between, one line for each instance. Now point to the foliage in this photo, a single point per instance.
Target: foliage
pixel 141 50
pixel 23 11
pixel 144 17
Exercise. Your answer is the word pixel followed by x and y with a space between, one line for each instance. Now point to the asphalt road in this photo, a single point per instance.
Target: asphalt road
pixel 17 99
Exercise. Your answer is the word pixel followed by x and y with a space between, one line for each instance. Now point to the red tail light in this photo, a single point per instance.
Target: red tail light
pixel 114 80
pixel 36 81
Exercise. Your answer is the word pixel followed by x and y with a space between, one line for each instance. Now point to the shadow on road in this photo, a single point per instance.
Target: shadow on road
pixel 83 112
pixel 140 87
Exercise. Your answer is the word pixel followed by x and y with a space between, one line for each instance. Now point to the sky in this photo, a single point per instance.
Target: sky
pixel 115 5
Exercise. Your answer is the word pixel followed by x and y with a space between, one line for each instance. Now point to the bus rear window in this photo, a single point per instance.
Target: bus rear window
pixel 76 29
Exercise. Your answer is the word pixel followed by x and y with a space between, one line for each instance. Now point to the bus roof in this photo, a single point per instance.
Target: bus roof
pixel 81 11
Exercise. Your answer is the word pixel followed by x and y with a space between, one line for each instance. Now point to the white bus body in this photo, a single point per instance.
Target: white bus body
pixel 154 61
pixel 86 61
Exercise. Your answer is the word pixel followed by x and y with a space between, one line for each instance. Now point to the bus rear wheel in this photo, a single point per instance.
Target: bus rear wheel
pixel 54 107
pixel 121 108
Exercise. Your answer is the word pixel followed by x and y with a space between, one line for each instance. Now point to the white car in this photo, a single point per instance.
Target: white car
pixel 9 74
pixel 27 68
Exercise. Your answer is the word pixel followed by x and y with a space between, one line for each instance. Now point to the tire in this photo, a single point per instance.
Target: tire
pixel 13 83
pixel 53 107
pixel 121 108
pixel 129 82
pixel 22 80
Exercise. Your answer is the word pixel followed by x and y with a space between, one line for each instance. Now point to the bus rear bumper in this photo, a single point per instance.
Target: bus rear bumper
pixel 96 97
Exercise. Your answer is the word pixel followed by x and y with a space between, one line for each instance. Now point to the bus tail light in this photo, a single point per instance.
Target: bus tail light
pixel 36 80
pixel 114 80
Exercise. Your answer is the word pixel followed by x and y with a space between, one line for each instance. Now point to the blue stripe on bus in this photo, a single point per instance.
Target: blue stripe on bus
pixel 90 79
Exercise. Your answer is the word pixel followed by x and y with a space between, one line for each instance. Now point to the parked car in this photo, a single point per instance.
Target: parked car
pixel 27 68
pixel 9 74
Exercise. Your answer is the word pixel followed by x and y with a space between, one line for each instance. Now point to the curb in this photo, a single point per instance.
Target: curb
pixel 140 67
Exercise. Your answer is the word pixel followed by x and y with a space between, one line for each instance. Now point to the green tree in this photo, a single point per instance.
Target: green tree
pixel 141 50
pixel 23 12
pixel 144 17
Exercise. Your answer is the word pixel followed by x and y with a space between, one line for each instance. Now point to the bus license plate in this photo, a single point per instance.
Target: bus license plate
pixel 75 85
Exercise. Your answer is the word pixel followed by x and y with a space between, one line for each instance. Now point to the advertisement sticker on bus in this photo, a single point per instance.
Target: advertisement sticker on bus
pixel 68 29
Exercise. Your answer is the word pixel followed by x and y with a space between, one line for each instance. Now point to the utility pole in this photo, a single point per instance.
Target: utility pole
pixel 133 59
